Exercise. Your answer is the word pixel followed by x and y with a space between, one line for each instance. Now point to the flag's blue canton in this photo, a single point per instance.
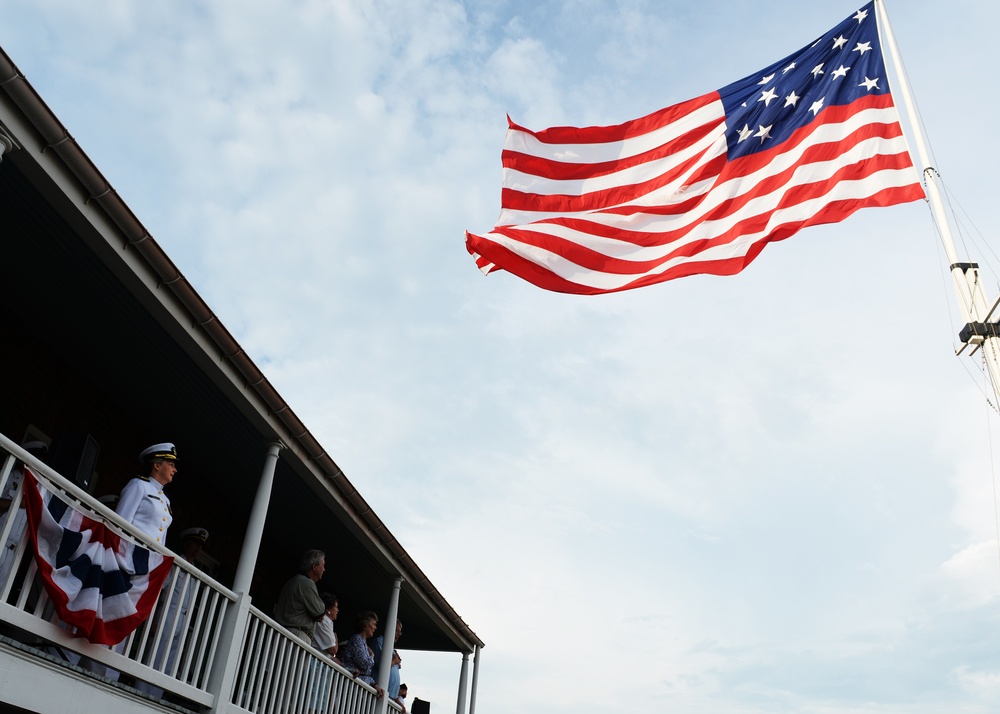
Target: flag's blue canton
pixel 846 63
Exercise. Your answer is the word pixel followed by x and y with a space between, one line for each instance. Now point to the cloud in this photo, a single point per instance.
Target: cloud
pixel 749 494
pixel 969 578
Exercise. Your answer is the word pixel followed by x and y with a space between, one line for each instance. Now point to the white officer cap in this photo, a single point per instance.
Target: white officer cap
pixel 165 451
pixel 195 534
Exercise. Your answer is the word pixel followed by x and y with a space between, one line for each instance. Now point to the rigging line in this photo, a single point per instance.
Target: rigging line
pixel 958 226
pixel 948 195
pixel 948 309
pixel 946 286
pixel 918 119
pixel 966 236
pixel 985 391
pixel 975 229
pixel 993 474
pixel 938 233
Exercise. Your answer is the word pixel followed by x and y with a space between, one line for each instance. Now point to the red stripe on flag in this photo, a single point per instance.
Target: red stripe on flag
pixel 569 171
pixel 618 132
pixel 858 145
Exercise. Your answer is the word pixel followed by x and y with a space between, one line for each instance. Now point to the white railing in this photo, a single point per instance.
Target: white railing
pixel 175 650
pixel 279 673
pixel 172 651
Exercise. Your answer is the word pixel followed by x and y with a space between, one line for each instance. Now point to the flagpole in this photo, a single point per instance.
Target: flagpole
pixel 978 330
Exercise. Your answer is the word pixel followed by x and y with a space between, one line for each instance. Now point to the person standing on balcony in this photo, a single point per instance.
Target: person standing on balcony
pixel 299 604
pixel 358 656
pixel 142 502
pixel 378 647
pixel 324 637
pixel 325 640
pixel 193 541
pixel 174 617
pixel 18 519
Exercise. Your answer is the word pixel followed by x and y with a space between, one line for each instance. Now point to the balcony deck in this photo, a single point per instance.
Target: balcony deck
pixel 174 658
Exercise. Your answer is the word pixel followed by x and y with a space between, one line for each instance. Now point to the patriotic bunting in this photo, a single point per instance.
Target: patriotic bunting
pixel 103 584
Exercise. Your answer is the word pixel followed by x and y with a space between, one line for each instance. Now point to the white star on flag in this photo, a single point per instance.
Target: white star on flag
pixel 767 96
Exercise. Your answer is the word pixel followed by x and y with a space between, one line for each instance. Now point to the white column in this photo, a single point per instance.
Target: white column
pixel 463 681
pixel 475 680
pixel 388 645
pixel 255 526
pixel 234 625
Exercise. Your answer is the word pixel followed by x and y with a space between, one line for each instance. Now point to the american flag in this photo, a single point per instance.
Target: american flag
pixel 103 584
pixel 703 186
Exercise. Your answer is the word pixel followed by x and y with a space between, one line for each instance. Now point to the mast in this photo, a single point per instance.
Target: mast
pixel 981 331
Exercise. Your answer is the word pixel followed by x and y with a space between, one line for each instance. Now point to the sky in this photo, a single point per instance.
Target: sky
pixel 770 492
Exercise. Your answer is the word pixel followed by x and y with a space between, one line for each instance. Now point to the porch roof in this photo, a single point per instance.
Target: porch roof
pixel 112 340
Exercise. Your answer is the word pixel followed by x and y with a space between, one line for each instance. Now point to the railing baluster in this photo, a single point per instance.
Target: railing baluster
pixel 249 654
pixel 299 677
pixel 189 638
pixel 199 602
pixel 220 605
pixel 281 691
pixel 310 673
pixel 26 583
pixel 8 467
pixel 149 652
pixel 289 691
pixel 182 620
pixel 6 470
pixel 278 676
pixel 269 676
pixel 262 657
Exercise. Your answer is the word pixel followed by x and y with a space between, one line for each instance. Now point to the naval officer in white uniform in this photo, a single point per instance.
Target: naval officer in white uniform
pixel 143 502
